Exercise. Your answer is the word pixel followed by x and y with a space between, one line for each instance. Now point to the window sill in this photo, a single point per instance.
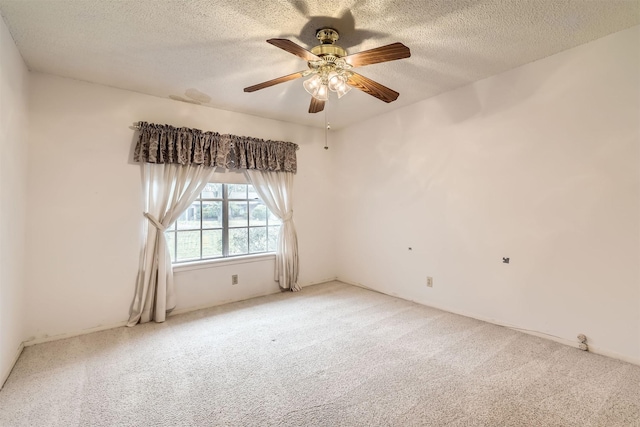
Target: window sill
pixel 220 262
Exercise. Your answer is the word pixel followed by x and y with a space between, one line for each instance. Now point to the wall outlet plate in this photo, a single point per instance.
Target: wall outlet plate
pixel 234 279
pixel 429 282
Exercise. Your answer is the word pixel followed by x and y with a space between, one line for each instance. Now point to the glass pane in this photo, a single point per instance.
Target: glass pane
pixel 188 245
pixel 171 243
pixel 238 239
pixel 237 191
pixel 212 191
pixel 238 214
pixel 211 214
pixel 190 219
pixel 272 238
pixel 257 213
pixel 252 193
pixel 258 239
pixel 273 220
pixel 211 243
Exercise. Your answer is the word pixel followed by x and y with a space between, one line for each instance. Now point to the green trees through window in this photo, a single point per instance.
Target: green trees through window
pixel 225 220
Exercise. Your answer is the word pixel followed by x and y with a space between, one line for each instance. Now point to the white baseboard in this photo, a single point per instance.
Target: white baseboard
pixel 596 350
pixel 47 338
pixel 40 340
pixel 319 282
pixel 251 296
pixel 573 343
pixel 7 372
pixel 223 302
pixel 561 340
pixel 614 355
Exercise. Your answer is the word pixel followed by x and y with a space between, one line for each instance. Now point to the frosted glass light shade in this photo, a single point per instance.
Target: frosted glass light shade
pixel 316 88
pixel 311 85
pixel 343 90
pixel 338 84
pixel 335 81
pixel 319 85
pixel 322 94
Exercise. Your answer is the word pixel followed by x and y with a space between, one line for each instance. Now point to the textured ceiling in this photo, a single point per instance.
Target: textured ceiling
pixel 207 51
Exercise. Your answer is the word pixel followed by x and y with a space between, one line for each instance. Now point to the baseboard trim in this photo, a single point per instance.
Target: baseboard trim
pixel 252 296
pixel 613 355
pixel 561 340
pixel 39 340
pixel 48 338
pixel 216 304
pixel 320 282
pixel 7 372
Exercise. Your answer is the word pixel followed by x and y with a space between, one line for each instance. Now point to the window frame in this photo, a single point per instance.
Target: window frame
pixel 224 228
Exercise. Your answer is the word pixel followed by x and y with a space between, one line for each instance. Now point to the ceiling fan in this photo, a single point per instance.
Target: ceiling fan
pixel 330 68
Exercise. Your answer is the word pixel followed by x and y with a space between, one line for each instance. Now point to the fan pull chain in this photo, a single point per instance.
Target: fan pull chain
pixel 326 130
pixel 326 145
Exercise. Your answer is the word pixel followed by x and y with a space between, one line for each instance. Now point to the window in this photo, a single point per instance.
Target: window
pixel 225 220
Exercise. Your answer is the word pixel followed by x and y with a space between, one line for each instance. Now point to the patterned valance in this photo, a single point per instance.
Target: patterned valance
pixel 167 144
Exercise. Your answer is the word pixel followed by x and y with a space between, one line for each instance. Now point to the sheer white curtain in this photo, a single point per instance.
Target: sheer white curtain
pixel 276 190
pixel 169 189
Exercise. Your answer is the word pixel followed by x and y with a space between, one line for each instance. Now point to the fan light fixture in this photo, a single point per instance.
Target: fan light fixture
pixel 328 78
pixel 330 69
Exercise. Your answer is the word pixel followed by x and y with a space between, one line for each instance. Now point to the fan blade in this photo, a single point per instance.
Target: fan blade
pixel 316 105
pixel 372 88
pixel 296 49
pixel 390 52
pixel 274 82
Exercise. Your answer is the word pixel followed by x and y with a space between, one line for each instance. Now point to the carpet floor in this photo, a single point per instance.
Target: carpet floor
pixel 331 355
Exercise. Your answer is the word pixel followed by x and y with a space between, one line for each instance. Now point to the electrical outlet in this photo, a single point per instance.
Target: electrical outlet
pixel 234 279
pixel 429 282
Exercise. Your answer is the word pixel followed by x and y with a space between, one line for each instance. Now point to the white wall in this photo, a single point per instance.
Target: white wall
pixel 13 198
pixel 539 164
pixel 86 210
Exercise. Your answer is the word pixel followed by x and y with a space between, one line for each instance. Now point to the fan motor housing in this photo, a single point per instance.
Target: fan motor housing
pixel 328 37
pixel 329 49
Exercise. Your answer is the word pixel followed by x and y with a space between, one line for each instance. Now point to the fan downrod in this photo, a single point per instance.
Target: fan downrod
pixel 327 35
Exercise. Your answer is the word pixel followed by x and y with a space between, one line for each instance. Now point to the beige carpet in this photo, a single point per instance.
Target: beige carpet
pixel 331 355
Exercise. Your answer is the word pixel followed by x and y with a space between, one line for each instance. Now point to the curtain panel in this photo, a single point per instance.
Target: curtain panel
pixel 185 146
pixel 177 163
pixel 169 189
pixel 276 191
